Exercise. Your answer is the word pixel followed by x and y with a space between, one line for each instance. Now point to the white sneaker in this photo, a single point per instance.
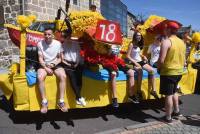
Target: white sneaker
pixel 81 101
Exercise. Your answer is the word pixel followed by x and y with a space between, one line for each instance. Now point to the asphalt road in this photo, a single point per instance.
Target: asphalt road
pixel 87 121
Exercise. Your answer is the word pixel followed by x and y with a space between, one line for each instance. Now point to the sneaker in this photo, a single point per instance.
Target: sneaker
pixel 140 95
pixel 81 101
pixel 168 120
pixel 62 106
pixel 154 94
pixel 44 108
pixel 115 103
pixel 177 114
pixel 134 99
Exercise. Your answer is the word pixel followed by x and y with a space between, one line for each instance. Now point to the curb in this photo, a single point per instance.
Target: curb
pixel 112 131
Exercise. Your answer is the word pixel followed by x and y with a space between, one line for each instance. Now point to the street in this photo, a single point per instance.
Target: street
pixel 88 121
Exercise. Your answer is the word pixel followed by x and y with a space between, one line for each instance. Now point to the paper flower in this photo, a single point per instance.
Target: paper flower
pixel 23 21
pixel 196 37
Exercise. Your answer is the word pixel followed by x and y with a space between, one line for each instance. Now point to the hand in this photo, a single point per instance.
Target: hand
pixel 51 65
pixel 145 59
pixel 49 71
pixel 138 65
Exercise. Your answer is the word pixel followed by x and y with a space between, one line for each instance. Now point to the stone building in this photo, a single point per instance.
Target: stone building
pixel 47 10
pixel 131 19
pixel 43 9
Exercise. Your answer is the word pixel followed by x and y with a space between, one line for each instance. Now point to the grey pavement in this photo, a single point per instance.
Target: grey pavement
pixel 186 125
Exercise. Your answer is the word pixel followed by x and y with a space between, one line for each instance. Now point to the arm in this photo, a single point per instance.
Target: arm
pixel 165 46
pixel 63 60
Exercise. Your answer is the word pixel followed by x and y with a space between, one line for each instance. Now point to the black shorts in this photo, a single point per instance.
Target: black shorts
pixel 130 65
pixel 168 84
pixel 142 63
pixel 54 68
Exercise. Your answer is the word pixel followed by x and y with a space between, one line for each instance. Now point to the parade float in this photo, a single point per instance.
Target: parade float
pixel 95 34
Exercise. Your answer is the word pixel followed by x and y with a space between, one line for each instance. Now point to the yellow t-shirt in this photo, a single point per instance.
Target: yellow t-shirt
pixel 175 58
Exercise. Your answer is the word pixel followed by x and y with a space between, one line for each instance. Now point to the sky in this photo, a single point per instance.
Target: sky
pixel 187 12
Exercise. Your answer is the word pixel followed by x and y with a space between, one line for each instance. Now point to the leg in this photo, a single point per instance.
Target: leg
pixel 168 106
pixel 151 80
pixel 139 78
pixel 114 90
pixel 41 83
pixel 73 81
pixel 131 81
pixel 60 74
pixel 175 103
pixel 113 84
pixel 150 70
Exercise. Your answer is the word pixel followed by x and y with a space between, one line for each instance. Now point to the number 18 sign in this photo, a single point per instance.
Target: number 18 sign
pixel 109 32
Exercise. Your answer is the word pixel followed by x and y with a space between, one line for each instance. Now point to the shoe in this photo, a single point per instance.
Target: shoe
pixel 168 120
pixel 44 108
pixel 81 101
pixel 62 106
pixel 115 103
pixel 154 94
pixel 177 114
pixel 140 95
pixel 134 99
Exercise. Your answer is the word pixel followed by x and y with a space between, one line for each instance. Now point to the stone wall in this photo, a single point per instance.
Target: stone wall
pixel 8 52
pixel 47 9
pixel 12 8
pixel 84 5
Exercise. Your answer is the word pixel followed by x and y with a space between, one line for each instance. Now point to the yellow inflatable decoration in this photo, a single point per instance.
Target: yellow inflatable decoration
pixel 96 92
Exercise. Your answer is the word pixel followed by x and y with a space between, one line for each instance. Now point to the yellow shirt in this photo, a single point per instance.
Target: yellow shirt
pixel 175 58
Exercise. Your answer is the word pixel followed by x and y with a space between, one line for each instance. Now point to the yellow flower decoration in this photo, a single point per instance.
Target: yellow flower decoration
pixel 23 21
pixel 196 37
pixel 150 22
pixel 81 20
pixel 32 18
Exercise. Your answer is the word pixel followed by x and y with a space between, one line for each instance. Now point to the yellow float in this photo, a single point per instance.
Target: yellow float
pixel 96 92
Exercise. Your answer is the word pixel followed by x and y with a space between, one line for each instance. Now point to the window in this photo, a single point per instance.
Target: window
pixel 75 2
pixel 1 17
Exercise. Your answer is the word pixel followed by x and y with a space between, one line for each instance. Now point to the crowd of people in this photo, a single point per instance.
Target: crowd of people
pixel 168 54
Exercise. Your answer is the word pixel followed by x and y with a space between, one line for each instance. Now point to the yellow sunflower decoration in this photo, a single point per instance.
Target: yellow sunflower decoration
pixel 25 21
pixel 81 20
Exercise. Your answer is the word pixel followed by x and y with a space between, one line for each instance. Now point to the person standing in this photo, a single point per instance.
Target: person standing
pixel 49 53
pixel 171 67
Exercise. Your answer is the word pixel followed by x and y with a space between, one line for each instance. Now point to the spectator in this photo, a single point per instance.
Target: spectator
pixel 171 67
pixel 49 52
pixel 93 8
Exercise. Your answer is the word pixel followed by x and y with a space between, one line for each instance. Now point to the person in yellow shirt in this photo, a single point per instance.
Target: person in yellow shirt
pixel 171 67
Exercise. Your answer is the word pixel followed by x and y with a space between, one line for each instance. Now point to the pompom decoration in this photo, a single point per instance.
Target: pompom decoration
pixel 23 21
pixel 196 37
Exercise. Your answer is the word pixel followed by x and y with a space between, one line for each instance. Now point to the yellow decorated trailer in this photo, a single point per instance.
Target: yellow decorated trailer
pixel 96 85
